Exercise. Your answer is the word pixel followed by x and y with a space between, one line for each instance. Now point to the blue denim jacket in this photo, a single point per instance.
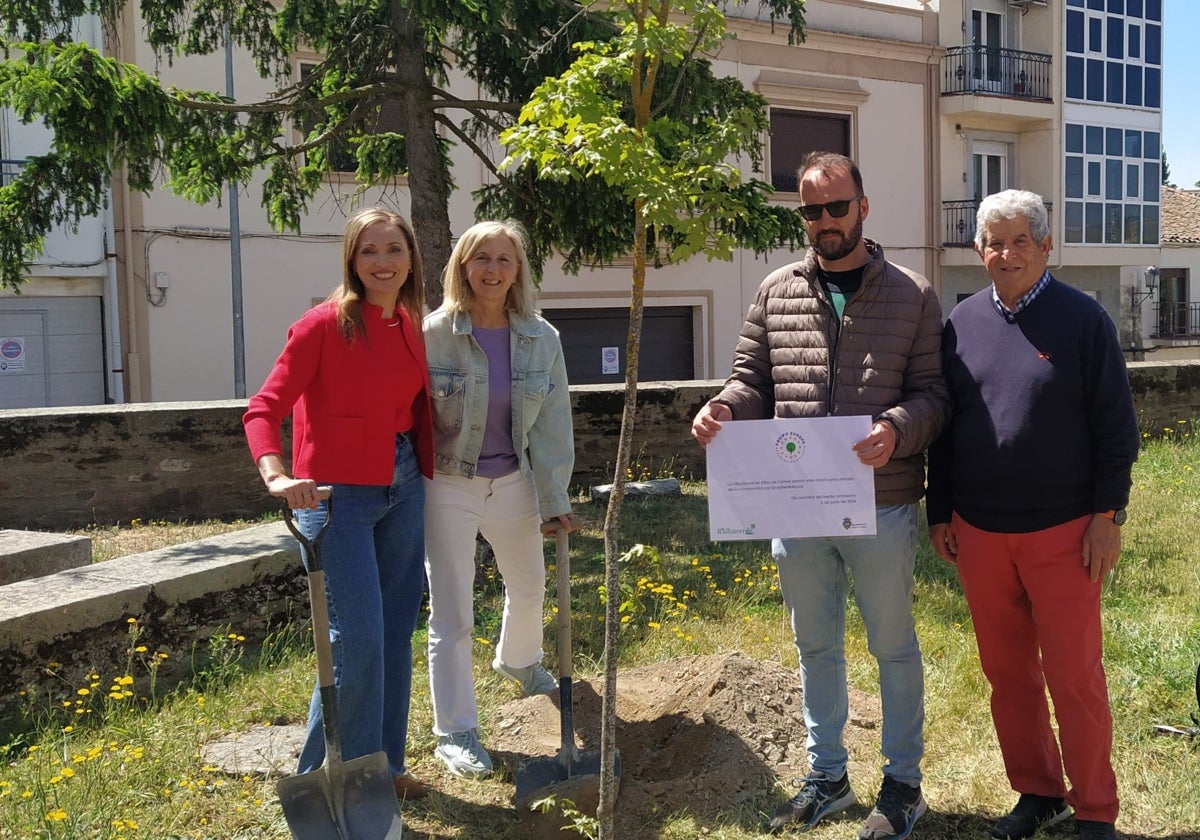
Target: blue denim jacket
pixel 543 436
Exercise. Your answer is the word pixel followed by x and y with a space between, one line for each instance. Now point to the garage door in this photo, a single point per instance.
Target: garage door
pixel 51 352
pixel 594 343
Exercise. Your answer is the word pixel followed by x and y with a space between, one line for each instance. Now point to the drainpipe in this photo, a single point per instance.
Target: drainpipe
pixel 112 302
pixel 115 375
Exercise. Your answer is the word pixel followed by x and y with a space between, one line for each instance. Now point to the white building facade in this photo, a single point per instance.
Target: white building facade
pixel 941 103
pixel 60 339
pixel 1065 99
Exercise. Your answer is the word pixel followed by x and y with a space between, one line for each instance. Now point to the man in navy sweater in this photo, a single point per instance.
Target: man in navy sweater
pixel 1027 492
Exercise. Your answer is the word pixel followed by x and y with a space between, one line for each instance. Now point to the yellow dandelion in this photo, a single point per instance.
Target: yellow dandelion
pixel 57 815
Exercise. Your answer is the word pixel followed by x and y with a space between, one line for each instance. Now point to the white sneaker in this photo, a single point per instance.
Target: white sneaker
pixel 464 755
pixel 534 679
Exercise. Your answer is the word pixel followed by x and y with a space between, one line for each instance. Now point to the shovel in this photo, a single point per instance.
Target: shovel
pixel 340 800
pixel 539 773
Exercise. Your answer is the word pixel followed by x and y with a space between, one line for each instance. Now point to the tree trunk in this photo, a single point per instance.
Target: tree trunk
pixel 605 812
pixel 428 179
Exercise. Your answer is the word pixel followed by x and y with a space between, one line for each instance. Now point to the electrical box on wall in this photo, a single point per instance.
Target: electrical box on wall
pixel 161 280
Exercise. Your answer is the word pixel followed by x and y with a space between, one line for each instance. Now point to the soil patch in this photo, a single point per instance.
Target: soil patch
pixel 700 734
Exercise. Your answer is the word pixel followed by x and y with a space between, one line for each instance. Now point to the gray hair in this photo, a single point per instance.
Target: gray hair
pixel 1008 205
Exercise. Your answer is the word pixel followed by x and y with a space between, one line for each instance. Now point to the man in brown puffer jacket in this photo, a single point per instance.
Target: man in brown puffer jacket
pixel 844 332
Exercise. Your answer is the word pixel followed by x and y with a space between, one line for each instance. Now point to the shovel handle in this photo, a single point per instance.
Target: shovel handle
pixel 568 754
pixel 320 622
pixel 312 547
pixel 562 566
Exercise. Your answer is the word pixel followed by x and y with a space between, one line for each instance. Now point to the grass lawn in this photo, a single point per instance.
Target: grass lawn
pixel 99 761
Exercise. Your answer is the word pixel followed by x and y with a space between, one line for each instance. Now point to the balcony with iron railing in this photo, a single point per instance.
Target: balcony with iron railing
pixel 958 222
pixel 996 71
pixel 1176 320
pixel 9 170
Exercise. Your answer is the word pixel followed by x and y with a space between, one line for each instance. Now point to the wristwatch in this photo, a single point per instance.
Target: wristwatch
pixel 1117 516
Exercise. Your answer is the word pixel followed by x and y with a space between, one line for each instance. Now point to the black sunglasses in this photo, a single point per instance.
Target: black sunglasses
pixel 837 209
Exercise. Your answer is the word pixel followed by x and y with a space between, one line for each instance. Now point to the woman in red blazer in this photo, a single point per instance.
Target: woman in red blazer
pixel 353 377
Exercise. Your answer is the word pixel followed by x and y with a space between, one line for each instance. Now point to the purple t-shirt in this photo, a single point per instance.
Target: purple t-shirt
pixel 497 457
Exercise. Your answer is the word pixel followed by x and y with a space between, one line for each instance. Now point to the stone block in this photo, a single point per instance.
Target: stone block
pixel 31 554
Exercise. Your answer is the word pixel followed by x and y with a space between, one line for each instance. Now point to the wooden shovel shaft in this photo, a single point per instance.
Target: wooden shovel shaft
pixel 568 752
pixel 320 622
pixel 562 565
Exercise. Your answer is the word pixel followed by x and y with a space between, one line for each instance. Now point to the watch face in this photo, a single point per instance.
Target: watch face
pixel 1119 516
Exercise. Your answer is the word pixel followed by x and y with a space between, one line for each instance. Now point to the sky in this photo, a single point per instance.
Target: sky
pixel 1181 73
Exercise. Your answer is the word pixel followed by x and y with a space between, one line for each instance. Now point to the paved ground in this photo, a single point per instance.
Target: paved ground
pixel 261 751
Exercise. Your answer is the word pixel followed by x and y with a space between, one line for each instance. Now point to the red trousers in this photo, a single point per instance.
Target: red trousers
pixel 1036 612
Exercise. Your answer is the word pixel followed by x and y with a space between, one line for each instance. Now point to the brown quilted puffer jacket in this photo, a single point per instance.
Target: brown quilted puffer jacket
pixel 790 361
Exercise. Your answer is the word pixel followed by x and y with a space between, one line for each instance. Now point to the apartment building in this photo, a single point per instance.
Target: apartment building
pixel 1063 98
pixel 941 103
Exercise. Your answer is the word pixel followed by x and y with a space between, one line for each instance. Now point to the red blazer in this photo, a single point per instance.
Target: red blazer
pixel 347 403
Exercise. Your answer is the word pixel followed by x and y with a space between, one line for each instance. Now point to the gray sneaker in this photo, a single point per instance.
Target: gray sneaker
pixel 464 755
pixel 819 797
pixel 534 679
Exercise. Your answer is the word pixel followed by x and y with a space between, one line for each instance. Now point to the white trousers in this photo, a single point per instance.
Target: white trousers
pixel 505 511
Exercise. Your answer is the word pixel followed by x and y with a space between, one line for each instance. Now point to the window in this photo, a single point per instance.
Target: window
pixel 795 133
pixel 1111 186
pixel 1114 52
pixel 1174 315
pixel 341 153
pixel 989 167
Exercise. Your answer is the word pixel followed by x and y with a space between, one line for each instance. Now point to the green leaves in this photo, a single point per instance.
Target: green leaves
pixel 638 118
pixel 102 114
pixel 643 115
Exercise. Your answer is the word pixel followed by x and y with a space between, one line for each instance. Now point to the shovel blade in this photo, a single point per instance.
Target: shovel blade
pixel 540 773
pixel 354 800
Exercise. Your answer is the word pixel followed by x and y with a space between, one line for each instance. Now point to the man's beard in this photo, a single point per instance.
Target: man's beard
pixel 843 246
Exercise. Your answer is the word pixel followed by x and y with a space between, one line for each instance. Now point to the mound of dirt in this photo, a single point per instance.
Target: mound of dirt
pixel 699 734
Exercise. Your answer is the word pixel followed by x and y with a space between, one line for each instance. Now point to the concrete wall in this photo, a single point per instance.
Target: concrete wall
pixel 70 468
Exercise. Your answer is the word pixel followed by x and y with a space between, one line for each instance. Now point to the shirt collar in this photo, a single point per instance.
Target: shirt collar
pixel 1025 299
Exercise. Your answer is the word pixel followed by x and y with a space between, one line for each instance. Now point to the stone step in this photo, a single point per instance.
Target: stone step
pixel 56 629
pixel 32 554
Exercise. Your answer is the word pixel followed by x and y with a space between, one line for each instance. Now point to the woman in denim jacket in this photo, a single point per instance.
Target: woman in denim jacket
pixel 503 456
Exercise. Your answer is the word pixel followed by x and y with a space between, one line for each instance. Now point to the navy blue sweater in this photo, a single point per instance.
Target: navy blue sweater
pixel 1043 428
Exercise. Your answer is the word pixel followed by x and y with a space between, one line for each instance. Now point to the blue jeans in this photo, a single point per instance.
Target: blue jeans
pixel 374 560
pixel 813 578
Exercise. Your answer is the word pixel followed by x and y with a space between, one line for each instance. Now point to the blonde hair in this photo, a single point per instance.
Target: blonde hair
pixel 349 296
pixel 522 296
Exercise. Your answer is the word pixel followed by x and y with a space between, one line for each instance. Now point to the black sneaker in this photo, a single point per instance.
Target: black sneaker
pixel 819 797
pixel 1032 813
pixel 896 812
pixel 1095 830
